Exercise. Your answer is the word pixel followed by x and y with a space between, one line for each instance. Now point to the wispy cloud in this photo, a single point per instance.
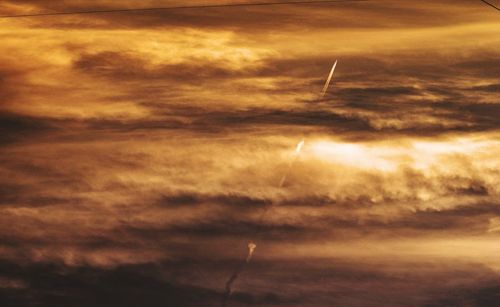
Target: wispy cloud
pixel 143 148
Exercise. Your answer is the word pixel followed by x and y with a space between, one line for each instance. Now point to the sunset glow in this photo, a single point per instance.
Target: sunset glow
pixel 146 154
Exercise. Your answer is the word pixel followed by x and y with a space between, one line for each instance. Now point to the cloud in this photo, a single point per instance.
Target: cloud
pixel 116 66
pixel 139 153
pixel 343 282
pixel 99 287
pixel 14 127
pixel 403 15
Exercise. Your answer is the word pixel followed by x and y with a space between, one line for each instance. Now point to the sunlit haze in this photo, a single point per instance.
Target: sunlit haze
pixel 148 157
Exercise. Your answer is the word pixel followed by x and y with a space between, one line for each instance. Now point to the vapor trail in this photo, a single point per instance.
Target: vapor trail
pixel 251 245
pixel 298 149
pixel 236 273
pixel 327 83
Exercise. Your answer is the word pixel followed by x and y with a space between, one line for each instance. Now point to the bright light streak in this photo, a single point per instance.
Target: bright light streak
pixel 298 149
pixel 327 83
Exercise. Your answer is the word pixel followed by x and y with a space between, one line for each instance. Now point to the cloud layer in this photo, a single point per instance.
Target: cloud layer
pixel 139 152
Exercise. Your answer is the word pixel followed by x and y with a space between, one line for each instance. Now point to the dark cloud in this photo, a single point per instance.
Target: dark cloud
pixel 481 66
pixel 232 200
pixel 464 220
pixel 10 77
pixel 464 118
pixel 322 216
pixel 480 296
pixel 379 92
pixel 16 127
pixel 344 283
pixel 122 67
pixel 246 119
pixel 57 285
pixel 495 88
pixel 226 228
pixel 454 108
pixel 265 18
pixel 480 116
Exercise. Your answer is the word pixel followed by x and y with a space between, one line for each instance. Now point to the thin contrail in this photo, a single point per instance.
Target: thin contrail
pixel 236 273
pixel 185 7
pixel 252 245
pixel 327 83
pixel 290 165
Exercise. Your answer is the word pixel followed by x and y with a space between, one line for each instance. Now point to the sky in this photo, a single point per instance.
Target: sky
pixel 140 152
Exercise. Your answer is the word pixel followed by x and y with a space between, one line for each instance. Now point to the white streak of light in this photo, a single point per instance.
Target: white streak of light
pixel 327 84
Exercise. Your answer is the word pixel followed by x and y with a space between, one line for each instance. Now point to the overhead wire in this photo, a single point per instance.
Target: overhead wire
pixel 184 7
pixel 187 7
pixel 491 4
